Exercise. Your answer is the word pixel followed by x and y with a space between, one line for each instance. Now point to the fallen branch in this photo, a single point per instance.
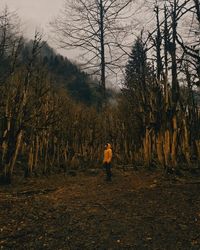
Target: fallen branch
pixel 198 236
pixel 102 206
pixel 33 192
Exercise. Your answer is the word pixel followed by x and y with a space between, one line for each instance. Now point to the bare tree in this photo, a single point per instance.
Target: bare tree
pixel 98 28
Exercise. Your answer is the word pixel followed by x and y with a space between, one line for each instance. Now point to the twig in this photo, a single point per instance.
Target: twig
pixel 32 192
pixel 102 206
pixel 197 237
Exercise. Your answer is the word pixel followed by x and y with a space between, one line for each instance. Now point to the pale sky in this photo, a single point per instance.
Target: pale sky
pixel 37 14
pixel 34 14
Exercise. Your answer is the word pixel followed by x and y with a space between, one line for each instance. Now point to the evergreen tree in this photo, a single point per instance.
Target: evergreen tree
pixel 137 67
pixel 137 91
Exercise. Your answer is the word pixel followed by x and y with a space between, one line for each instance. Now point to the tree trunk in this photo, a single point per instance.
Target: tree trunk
pixel 35 161
pixel 167 148
pixel 186 146
pixel 45 156
pixel 101 24
pixel 197 142
pixel 147 148
pixel 174 142
pixel 30 162
pixel 8 169
pixel 159 147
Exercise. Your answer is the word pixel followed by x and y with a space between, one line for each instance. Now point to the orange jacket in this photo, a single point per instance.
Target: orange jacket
pixel 107 154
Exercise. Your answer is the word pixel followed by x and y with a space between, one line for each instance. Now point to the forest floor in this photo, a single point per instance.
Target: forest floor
pixel 137 210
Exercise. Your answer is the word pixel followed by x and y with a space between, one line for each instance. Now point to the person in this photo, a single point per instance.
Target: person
pixel 107 161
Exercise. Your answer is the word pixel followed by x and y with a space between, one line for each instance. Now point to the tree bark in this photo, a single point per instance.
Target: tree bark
pixel 174 142
pixel 8 169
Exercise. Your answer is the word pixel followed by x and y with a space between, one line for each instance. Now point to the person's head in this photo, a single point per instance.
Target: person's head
pixel 107 145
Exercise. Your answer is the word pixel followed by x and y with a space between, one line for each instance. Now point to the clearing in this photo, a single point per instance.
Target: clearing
pixel 138 210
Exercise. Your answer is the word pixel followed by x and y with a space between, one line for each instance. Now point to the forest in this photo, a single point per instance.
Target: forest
pixel 52 114
pixel 56 116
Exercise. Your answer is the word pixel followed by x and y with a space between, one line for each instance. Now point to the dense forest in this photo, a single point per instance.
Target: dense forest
pixel 101 150
pixel 55 117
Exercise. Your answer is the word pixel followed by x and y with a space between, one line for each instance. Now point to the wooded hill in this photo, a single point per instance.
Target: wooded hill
pixel 63 73
pixel 40 91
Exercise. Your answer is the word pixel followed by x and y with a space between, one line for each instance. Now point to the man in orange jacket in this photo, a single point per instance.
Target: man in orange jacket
pixel 107 161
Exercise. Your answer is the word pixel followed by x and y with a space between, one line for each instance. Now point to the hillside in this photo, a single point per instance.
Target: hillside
pixel 67 74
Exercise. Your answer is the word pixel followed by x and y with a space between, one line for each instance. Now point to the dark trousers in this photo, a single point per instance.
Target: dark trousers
pixel 107 167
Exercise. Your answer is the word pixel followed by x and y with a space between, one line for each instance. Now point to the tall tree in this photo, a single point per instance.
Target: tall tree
pixel 138 90
pixel 96 27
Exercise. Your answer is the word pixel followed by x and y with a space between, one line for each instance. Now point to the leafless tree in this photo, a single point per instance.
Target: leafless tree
pixel 99 27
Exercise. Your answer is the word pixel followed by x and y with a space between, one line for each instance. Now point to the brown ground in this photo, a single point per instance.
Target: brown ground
pixel 138 210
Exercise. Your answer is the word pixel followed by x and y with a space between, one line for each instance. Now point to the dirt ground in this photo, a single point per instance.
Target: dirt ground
pixel 137 210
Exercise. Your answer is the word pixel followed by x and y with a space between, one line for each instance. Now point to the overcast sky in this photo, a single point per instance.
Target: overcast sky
pixel 37 13
pixel 34 14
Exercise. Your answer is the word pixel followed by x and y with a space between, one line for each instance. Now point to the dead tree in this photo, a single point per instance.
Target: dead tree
pixel 95 27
